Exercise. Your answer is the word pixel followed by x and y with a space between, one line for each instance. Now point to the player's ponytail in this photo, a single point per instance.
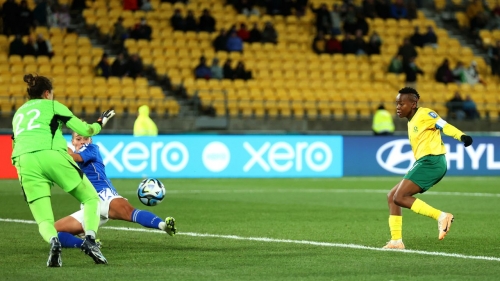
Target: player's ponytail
pixel 37 85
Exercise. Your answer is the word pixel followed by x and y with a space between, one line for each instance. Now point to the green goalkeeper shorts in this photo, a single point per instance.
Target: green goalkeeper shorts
pixel 427 171
pixel 38 171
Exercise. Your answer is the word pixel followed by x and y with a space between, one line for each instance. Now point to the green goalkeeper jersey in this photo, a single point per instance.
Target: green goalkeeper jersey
pixel 37 126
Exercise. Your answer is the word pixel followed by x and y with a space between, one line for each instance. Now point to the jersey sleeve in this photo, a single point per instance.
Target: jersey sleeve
pixel 88 153
pixel 447 129
pixel 71 121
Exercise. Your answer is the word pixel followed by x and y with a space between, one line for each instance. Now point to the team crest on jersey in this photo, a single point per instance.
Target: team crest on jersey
pixel 433 114
pixel 415 129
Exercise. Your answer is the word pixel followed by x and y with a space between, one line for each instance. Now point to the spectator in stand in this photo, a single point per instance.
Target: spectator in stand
pixel 103 68
pixel 494 54
pixel 362 24
pixel 430 38
pixel 78 5
pixel 300 7
pixel 30 48
pixel 255 34
pixel 360 43
pixel 206 22
pixel 142 31
pixel 220 42
pixel 411 70
pixel 119 68
pixel 26 19
pixel 417 39
pixel 246 7
pixel 398 10
pixel 472 74
pixel 444 73
pixel 202 70
pixel 323 19
pixel 456 107
pixel 234 43
pixel 191 24
pixel 135 68
pixel 16 47
pixel 120 33
pixel 216 71
pixel 470 109
pixel 241 73
pixel 228 70
pixel 383 8
pixel 374 44
pixel 62 18
pixel 273 7
pixel 177 21
pixel 269 34
pixel 369 9
pixel 319 43
pixel 459 73
pixel 333 45
pixel 131 5
pixel 350 20
pixel 412 10
pixel 243 33
pixel 477 15
pixel 10 15
pixel 146 6
pixel 349 46
pixel 396 65
pixel 40 13
pixel 336 20
pixel 407 51
pixel 44 46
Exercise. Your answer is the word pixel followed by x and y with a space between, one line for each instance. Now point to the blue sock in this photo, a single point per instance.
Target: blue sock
pixel 68 240
pixel 146 219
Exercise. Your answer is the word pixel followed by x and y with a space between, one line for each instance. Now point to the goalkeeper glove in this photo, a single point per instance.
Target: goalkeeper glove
pixel 467 140
pixel 105 116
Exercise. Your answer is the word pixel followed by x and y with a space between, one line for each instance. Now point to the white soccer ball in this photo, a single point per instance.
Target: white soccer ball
pixel 151 192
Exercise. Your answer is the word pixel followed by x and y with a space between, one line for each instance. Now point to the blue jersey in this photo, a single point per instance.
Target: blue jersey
pixel 93 167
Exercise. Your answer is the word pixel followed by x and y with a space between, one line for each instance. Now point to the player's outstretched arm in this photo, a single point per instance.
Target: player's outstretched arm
pixel 74 123
pixel 452 131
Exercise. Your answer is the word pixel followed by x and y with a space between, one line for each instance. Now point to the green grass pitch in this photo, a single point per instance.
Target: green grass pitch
pixel 270 229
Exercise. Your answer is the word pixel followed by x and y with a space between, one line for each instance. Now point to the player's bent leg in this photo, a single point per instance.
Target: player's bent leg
pixel 404 194
pixel 67 228
pixel 120 209
pixel 86 194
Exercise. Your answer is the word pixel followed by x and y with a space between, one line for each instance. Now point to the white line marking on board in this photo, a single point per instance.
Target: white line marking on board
pixel 292 190
pixel 302 242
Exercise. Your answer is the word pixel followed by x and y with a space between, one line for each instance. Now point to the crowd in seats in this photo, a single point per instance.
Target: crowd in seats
pixel 21 18
pixel 206 22
pixel 215 71
pixel 461 109
pixel 121 67
pixel 288 78
pixel 32 47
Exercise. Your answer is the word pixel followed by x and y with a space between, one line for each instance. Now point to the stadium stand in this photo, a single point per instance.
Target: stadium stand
pixel 289 79
pixel 72 68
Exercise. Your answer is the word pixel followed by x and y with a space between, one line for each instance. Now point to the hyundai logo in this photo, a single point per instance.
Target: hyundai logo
pixel 394 157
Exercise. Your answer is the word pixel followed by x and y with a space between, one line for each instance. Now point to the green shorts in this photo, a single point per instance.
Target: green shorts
pixel 427 171
pixel 37 171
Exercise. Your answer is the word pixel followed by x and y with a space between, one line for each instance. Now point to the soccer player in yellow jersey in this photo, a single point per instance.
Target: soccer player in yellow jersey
pixel 424 131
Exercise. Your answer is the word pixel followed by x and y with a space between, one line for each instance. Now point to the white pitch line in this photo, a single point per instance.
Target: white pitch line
pixel 302 242
pixel 291 190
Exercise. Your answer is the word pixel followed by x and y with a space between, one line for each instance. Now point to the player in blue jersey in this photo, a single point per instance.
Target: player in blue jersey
pixel 111 204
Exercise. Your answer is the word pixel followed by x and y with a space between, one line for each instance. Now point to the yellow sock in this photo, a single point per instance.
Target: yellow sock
pixel 396 226
pixel 420 207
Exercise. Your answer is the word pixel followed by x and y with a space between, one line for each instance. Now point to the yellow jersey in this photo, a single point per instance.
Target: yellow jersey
pixel 424 132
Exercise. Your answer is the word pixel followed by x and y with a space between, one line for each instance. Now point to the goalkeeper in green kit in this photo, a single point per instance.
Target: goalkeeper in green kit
pixel 41 159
